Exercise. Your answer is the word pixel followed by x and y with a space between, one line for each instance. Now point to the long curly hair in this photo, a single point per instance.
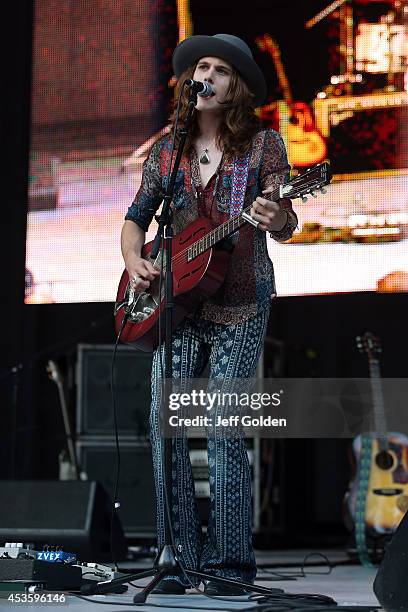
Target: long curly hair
pixel 240 122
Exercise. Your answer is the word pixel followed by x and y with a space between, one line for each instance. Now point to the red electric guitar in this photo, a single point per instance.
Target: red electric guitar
pixel 199 268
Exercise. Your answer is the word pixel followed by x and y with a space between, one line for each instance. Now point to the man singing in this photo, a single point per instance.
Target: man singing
pixel 227 332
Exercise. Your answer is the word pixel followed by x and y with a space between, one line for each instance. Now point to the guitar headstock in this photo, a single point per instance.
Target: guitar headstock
pixel 267 43
pixel 308 182
pixel 369 344
pixel 53 371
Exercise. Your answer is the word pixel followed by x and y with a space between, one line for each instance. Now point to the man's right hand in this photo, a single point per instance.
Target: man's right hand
pixel 141 273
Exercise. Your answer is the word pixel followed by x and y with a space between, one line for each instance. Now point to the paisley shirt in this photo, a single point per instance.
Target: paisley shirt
pixel 249 283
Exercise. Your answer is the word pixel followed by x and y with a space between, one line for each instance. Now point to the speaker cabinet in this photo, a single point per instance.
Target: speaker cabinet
pixel 72 514
pixel 132 390
pixel 137 496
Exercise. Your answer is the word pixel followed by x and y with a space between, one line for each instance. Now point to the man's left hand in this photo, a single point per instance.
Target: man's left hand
pixel 270 215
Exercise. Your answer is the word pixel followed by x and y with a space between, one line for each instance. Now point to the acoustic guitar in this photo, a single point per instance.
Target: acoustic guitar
pixel 306 145
pixel 199 268
pixel 386 498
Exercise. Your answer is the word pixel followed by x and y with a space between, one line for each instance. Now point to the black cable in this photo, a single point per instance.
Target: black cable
pixel 275 602
pixel 331 565
pixel 276 576
pixel 293 600
pixel 283 603
pixel 295 575
pixel 317 554
pixel 115 502
pixel 285 606
pixel 206 609
pixel 166 606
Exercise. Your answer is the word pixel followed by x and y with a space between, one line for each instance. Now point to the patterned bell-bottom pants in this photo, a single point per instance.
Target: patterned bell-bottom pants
pixel 231 352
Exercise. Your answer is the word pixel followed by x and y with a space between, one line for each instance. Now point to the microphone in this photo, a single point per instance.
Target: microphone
pixel 204 90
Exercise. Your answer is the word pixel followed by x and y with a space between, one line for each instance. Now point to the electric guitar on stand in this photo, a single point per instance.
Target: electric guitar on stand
pixel 68 463
pixel 306 145
pixel 378 496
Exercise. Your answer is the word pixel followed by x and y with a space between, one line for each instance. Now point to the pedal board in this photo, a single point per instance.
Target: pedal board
pixel 44 575
pixel 96 571
pixel 18 550
pixel 51 569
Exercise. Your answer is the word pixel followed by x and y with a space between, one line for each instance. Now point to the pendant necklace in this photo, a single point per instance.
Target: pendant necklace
pixel 204 157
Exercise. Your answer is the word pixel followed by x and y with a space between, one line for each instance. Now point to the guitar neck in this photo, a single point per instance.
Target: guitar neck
pixel 306 183
pixel 223 231
pixel 283 80
pixel 267 43
pixel 380 424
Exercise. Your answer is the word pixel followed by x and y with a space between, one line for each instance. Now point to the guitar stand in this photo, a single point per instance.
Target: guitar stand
pixel 167 563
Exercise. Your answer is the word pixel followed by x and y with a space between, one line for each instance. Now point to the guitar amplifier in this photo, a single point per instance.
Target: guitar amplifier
pixel 132 391
pixel 350 124
pixel 137 512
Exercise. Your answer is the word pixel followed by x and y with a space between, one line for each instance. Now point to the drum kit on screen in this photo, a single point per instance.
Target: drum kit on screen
pixel 383 47
pixel 373 64
pixel 367 48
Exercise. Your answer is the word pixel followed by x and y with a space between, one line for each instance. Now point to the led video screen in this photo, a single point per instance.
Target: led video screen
pixel 100 96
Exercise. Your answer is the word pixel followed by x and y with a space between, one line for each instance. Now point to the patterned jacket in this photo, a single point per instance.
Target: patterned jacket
pixel 249 283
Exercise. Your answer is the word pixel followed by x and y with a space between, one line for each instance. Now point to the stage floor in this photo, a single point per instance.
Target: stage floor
pixel 349 585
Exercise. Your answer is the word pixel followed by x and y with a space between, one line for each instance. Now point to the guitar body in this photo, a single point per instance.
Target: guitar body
pixel 306 146
pixel 193 282
pixel 387 495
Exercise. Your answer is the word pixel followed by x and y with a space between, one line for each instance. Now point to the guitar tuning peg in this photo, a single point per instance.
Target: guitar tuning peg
pixel 313 193
pixel 323 190
pixel 304 198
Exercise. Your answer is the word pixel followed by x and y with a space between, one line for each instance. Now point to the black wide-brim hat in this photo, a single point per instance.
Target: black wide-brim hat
pixel 227 47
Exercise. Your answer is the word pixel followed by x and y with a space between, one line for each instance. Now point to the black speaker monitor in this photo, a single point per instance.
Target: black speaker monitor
pixel 137 496
pixel 73 514
pixel 391 583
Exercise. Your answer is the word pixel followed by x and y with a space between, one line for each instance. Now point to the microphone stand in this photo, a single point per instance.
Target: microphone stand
pixel 167 562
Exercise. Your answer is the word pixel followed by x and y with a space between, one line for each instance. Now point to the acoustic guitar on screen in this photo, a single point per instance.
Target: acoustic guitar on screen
pixel 386 492
pixel 306 146
pixel 199 262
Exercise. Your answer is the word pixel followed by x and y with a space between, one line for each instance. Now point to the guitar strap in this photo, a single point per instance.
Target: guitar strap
pixel 363 480
pixel 239 183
